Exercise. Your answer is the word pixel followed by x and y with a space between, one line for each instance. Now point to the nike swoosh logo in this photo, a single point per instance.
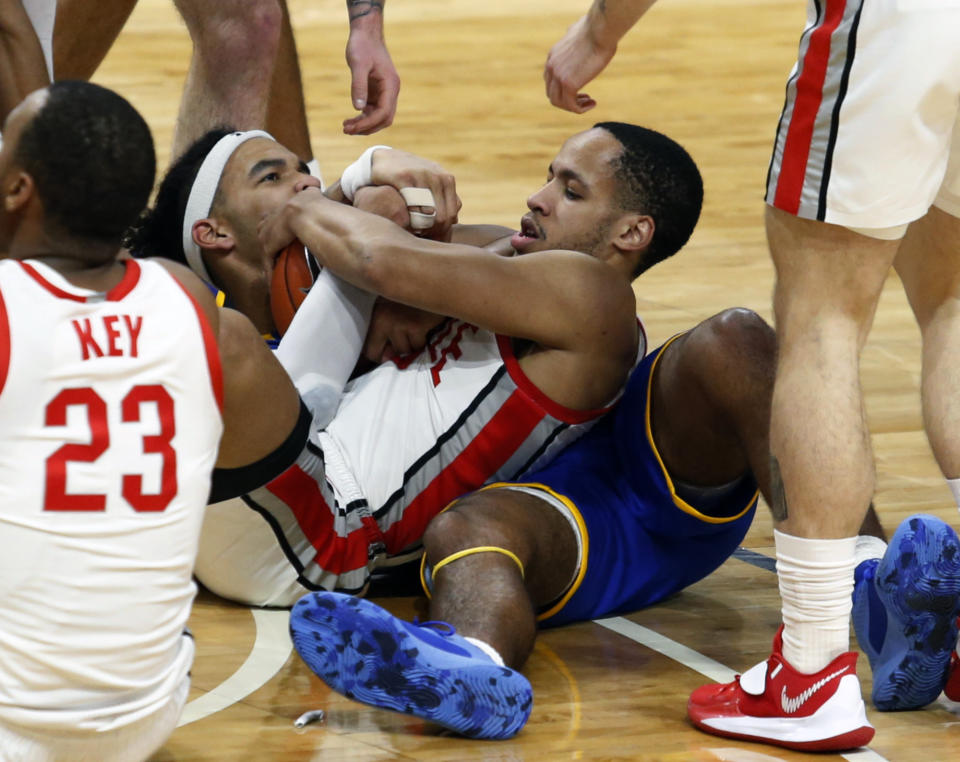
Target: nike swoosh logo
pixel 792 704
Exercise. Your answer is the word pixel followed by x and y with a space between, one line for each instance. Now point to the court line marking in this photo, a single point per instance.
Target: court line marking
pixel 270 651
pixel 697 661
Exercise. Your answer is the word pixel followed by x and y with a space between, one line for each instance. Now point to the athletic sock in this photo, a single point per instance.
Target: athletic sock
pixel 322 345
pixel 954 485
pixel 816 585
pixel 489 650
pixel 868 547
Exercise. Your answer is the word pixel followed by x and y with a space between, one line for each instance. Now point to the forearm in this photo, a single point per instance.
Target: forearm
pixel 609 20
pixel 366 16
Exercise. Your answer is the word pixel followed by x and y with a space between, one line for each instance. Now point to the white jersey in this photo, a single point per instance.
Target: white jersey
pixel 110 405
pixel 408 438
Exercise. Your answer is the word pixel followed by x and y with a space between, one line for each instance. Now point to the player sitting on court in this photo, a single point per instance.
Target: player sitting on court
pixel 113 397
pixel 474 406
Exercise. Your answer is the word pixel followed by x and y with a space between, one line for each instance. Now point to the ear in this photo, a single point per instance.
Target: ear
pixel 18 189
pixel 211 234
pixel 635 233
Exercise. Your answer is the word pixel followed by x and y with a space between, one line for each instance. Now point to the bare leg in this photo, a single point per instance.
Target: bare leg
pixel 712 394
pixel 500 611
pixel 22 66
pixel 829 280
pixel 235 44
pixel 929 265
pixel 828 284
pixel 83 34
pixel 287 113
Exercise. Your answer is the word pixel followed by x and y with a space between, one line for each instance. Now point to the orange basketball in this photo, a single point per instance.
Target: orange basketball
pixel 291 280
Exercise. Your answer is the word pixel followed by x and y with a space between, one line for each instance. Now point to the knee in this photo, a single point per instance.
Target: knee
pixel 742 335
pixel 466 525
pixel 230 33
pixel 445 534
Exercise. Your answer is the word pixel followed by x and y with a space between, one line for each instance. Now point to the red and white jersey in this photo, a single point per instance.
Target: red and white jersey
pixel 110 404
pixel 408 438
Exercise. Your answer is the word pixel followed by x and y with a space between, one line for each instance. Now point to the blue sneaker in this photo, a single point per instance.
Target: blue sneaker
pixel 905 608
pixel 369 655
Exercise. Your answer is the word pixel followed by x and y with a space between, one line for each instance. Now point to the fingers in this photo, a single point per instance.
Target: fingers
pixel 422 206
pixel 380 94
pixel 565 96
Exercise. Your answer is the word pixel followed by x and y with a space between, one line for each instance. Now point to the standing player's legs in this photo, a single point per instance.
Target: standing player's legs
pixel 22 65
pixel 84 33
pixel 852 96
pixel 906 603
pixel 235 44
pixel 287 111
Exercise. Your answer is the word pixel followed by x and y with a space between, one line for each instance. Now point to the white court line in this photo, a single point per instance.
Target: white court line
pixel 699 663
pixel 269 653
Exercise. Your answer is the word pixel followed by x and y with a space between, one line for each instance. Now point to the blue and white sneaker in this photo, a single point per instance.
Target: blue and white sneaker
pixel 905 608
pixel 369 655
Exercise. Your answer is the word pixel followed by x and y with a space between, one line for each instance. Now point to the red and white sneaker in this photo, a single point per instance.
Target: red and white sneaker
pixel 773 703
pixel 952 689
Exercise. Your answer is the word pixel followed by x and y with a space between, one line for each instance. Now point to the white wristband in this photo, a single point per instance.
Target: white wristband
pixel 358 174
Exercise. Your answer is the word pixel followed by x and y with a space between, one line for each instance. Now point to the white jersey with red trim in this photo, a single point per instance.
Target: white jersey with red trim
pixel 408 438
pixel 110 405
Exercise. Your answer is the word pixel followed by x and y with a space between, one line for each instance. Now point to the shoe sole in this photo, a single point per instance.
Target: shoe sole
pixel 364 653
pixel 853 739
pixel 919 587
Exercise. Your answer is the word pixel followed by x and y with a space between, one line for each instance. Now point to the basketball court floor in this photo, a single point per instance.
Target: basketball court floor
pixel 710 73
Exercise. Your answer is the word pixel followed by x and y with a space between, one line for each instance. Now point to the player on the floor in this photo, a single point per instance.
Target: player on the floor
pixel 113 395
pixel 474 406
pixel 653 498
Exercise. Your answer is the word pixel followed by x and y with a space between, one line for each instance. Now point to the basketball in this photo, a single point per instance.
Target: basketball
pixel 291 280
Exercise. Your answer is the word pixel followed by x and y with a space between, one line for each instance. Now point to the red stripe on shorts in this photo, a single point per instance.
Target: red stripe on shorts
pixel 302 495
pixel 796 149
pixel 482 458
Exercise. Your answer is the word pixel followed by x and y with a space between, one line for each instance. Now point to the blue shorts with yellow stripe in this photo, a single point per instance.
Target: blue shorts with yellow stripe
pixel 640 541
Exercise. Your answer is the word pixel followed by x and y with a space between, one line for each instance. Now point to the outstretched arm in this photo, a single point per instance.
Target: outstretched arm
pixel 586 49
pixel 375 84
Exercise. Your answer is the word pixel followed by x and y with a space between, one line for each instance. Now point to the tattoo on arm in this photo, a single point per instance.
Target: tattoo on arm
pixel 359 8
pixel 779 507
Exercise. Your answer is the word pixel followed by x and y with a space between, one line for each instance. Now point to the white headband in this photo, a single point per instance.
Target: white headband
pixel 205 188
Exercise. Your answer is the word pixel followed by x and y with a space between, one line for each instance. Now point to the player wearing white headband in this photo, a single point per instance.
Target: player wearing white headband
pixel 474 405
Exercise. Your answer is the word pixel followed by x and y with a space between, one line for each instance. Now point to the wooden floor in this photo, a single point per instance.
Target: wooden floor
pixel 709 73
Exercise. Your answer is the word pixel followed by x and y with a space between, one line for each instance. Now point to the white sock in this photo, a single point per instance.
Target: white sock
pixel 816 585
pixel 324 340
pixel 487 649
pixel 868 547
pixel 954 485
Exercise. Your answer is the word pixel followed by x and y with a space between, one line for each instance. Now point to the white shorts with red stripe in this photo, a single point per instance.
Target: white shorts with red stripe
pixel 870 131
pixel 407 439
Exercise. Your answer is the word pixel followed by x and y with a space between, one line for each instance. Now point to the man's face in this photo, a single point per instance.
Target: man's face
pixel 259 178
pixel 13 128
pixel 576 207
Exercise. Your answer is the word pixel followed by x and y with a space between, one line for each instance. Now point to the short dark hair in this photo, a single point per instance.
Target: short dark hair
pixel 159 230
pixel 656 176
pixel 91 156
